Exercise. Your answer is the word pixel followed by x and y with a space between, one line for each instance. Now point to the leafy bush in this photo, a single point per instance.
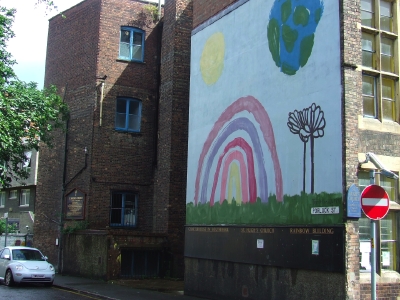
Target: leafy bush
pixel 11 228
pixel 75 226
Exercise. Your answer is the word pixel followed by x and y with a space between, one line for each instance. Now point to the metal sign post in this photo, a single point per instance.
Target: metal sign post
pixel 373 251
pixel 373 260
pixel 6 229
pixel 375 204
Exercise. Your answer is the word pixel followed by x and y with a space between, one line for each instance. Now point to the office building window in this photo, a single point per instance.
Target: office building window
pixel 367 13
pixel 368 50
pixel 131 45
pixel 13 195
pixel 25 195
pixel 369 95
pixel 2 199
pixel 123 212
pixel 128 114
pixel 380 63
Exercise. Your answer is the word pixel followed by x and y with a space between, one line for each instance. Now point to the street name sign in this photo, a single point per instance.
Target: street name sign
pixel 375 202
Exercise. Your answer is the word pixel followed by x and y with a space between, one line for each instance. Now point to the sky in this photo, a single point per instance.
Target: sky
pixel 28 47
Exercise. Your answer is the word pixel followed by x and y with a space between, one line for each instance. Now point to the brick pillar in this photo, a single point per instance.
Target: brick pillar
pixel 170 177
pixel 352 108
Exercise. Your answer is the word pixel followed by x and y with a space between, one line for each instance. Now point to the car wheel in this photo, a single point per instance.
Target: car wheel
pixel 9 279
pixel 49 284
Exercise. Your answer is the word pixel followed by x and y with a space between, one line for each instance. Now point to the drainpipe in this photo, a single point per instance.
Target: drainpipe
pixel 159 10
pixel 103 80
pixel 101 102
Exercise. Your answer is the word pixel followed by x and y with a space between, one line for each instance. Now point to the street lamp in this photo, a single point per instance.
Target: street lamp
pixel 387 173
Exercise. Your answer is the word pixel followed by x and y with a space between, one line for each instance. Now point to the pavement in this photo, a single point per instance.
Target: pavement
pixel 124 289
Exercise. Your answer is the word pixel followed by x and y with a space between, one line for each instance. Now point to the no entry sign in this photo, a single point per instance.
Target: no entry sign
pixel 375 202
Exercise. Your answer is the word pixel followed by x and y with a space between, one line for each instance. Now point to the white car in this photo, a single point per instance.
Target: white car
pixel 25 265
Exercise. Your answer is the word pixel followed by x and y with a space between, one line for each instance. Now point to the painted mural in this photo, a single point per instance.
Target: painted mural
pixel 308 124
pixel 258 86
pixel 291 29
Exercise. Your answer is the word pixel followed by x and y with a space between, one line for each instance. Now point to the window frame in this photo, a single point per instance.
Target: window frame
pixel 123 220
pixel 10 197
pixel 127 115
pixel 371 12
pixel 2 198
pixel 132 31
pixel 384 66
pixel 381 16
pixel 372 96
pixel 372 51
pixel 25 194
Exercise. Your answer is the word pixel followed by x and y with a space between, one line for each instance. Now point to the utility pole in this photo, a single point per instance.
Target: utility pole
pixel 6 231
pixel 373 249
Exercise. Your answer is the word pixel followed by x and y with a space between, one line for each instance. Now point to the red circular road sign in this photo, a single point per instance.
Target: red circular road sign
pixel 375 202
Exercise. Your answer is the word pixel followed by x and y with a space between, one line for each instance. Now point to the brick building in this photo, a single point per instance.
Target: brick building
pixel 286 100
pixel 17 202
pixel 110 199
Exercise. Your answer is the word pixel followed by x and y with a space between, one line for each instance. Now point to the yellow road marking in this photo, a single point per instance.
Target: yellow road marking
pixel 76 293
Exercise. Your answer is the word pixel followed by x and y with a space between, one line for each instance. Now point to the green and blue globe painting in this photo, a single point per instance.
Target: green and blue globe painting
pixel 291 29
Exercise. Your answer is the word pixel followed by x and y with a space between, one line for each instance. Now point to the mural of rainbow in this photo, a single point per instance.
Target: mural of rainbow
pixel 235 171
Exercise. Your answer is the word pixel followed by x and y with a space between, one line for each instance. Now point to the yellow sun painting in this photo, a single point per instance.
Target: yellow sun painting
pixel 212 58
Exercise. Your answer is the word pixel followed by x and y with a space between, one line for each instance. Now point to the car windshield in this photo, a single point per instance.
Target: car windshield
pixel 27 254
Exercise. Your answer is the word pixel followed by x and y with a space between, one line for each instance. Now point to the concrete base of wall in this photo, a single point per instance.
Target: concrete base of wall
pixel 85 254
pixel 99 254
pixel 226 280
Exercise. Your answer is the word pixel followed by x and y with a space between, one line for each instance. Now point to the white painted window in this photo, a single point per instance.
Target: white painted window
pixel 25 195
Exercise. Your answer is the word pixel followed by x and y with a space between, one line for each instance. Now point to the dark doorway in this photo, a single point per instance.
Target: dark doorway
pixel 140 263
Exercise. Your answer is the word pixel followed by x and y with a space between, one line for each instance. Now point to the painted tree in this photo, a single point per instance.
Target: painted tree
pixel 27 115
pixel 309 124
pixel 296 124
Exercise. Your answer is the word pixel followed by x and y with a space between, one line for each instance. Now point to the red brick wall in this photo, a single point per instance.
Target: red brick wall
pixel 205 9
pixel 124 160
pixel 352 107
pixel 71 65
pixel 383 291
pixel 72 46
pixel 170 177
pixel 82 47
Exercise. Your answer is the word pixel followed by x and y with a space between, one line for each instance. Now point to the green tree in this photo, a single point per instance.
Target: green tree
pixel 11 228
pixel 27 115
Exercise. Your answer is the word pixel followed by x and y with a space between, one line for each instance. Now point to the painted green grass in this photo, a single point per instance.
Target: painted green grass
pixel 293 210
